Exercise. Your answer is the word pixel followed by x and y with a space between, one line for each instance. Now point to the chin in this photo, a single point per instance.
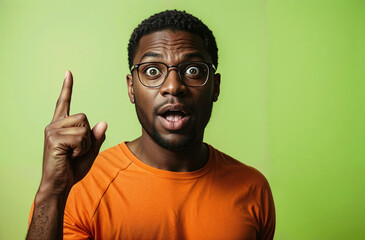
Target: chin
pixel 173 145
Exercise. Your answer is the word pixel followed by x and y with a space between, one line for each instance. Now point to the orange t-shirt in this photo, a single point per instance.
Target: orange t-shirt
pixel 123 198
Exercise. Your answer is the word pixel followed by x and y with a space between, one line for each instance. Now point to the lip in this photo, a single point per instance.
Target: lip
pixel 174 107
pixel 174 125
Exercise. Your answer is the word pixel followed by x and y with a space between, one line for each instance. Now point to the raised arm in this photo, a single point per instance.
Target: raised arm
pixel 70 148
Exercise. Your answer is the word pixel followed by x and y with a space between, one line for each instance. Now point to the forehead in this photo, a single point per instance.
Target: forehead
pixel 171 46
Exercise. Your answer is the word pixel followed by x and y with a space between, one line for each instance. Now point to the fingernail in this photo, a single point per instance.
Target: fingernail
pixel 66 74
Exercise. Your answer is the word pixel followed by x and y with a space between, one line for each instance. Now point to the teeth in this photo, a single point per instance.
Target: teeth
pixel 173 118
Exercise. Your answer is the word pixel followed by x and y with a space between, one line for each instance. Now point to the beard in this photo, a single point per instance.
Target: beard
pixel 179 146
pixel 176 147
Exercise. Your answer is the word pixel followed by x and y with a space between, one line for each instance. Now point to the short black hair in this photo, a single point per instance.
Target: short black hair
pixel 173 20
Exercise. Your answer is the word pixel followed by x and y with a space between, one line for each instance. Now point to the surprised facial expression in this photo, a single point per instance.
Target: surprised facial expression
pixel 174 115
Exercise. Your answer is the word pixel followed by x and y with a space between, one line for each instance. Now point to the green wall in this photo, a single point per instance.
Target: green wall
pixel 292 97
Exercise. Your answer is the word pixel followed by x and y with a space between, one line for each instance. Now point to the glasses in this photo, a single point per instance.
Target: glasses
pixel 154 74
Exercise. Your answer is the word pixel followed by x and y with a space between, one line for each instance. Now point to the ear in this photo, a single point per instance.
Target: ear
pixel 217 84
pixel 129 79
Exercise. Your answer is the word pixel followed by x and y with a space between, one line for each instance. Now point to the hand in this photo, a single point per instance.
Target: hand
pixel 70 146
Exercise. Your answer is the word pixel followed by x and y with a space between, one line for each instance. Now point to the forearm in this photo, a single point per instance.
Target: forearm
pixel 47 220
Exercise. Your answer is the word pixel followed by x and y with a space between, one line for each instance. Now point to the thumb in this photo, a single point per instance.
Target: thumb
pixel 99 135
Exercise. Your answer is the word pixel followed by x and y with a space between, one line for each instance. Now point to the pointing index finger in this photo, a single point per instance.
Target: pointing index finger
pixel 63 103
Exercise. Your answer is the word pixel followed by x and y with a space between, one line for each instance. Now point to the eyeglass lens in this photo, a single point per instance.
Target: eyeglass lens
pixel 191 73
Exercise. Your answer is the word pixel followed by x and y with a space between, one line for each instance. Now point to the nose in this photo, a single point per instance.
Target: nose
pixel 173 85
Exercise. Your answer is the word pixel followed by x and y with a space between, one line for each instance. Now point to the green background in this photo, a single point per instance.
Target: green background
pixel 291 104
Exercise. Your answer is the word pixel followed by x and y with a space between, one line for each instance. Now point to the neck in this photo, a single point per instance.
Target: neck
pixel 189 159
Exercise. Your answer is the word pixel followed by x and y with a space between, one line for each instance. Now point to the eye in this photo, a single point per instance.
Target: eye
pixel 192 71
pixel 152 71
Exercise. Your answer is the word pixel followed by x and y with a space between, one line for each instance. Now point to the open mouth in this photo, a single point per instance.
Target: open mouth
pixel 173 116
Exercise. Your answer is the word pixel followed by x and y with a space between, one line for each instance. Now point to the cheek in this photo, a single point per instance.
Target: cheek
pixel 145 98
pixel 206 96
pixel 204 103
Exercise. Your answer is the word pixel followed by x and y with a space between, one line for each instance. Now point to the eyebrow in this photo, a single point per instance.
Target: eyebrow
pixel 159 56
pixel 150 54
pixel 194 55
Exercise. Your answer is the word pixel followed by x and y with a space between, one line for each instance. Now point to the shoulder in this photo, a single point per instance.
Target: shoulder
pixel 105 168
pixel 241 178
pixel 237 171
pixel 252 185
pixel 85 196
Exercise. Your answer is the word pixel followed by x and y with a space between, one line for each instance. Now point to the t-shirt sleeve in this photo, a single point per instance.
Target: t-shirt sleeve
pixel 267 215
pixel 76 219
pixel 73 230
pixel 30 214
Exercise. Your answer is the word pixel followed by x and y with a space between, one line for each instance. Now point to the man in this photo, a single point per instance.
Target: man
pixel 166 184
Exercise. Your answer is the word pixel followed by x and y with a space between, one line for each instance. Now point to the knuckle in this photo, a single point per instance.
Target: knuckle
pixel 81 120
pixel 81 116
pixel 62 100
pixel 52 139
pixel 46 134
pixel 47 129
pixel 79 139
pixel 83 130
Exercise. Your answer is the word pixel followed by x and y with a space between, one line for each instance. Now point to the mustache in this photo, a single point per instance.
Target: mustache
pixel 188 106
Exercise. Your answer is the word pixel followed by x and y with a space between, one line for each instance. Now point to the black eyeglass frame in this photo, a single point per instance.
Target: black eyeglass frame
pixel 209 65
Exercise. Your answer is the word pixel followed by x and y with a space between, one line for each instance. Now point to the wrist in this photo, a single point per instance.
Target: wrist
pixel 47 193
pixel 48 214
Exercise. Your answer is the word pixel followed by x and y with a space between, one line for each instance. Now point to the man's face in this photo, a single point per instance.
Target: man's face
pixel 173 115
